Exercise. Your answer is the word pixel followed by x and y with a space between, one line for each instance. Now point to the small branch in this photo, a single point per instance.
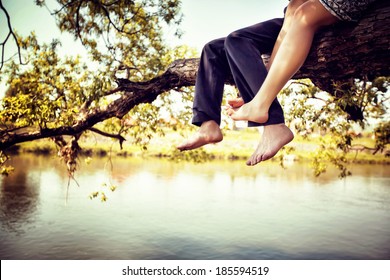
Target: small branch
pixel 112 3
pixel 320 99
pixel 361 148
pixel 78 29
pixel 63 7
pixel 115 90
pixel 294 82
pixel 6 131
pixel 119 137
pixel 109 18
pixel 10 33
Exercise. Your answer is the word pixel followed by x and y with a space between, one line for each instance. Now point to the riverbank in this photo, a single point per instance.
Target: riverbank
pixel 237 145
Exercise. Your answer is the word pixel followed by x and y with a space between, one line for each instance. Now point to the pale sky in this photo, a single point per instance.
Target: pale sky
pixel 203 21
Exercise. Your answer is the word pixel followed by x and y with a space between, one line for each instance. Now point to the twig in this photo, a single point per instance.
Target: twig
pixel 106 134
pixel 70 176
pixel 10 33
pixel 63 7
pixel 360 148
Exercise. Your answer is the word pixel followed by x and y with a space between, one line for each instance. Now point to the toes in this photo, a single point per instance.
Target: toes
pixel 249 161
pixel 259 158
pixel 254 159
pixel 182 147
pixel 236 102
pixel 268 155
pixel 230 111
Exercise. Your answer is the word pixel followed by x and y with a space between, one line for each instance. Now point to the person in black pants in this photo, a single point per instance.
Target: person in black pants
pixel 291 51
pixel 239 55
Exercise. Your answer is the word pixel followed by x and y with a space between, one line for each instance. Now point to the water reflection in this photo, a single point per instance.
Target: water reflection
pixel 19 197
pixel 163 210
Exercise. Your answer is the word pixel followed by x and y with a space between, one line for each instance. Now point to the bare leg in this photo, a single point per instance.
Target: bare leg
pixel 291 8
pixel 290 56
pixel 273 139
pixel 209 132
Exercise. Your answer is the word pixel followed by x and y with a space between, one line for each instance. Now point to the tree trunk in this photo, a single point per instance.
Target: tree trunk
pixel 347 51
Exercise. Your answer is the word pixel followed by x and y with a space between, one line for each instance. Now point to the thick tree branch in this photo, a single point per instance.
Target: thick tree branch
pixel 180 73
pixel 347 51
pixel 339 54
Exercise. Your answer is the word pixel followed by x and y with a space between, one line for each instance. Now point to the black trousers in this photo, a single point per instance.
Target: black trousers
pixel 239 55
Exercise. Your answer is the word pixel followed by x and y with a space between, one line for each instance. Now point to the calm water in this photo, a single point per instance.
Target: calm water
pixel 163 210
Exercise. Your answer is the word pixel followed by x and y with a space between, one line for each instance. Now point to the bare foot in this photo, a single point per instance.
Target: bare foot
pixel 248 112
pixel 273 139
pixel 209 132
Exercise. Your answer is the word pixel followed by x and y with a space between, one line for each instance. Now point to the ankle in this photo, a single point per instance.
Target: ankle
pixel 211 131
pixel 209 127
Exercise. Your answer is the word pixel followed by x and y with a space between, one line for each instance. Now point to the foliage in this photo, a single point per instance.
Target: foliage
pixel 123 38
pixel 195 156
pixel 50 90
pixel 126 34
pixel 5 170
pixel 311 111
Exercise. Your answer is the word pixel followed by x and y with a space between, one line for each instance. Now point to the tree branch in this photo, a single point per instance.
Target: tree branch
pixel 339 54
pixel 180 73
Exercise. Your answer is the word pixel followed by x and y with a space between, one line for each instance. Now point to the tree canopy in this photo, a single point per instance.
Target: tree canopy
pixel 50 96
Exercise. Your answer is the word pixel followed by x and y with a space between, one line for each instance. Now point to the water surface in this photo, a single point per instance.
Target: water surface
pixel 217 210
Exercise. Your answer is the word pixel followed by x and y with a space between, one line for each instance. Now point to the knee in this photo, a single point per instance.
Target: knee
pixel 301 16
pixel 213 46
pixel 311 15
pixel 232 40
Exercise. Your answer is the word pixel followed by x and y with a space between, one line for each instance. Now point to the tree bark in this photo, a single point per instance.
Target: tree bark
pixel 346 51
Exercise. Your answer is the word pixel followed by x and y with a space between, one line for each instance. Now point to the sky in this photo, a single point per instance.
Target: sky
pixel 203 20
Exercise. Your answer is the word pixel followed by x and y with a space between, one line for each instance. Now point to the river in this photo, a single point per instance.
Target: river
pixel 216 210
